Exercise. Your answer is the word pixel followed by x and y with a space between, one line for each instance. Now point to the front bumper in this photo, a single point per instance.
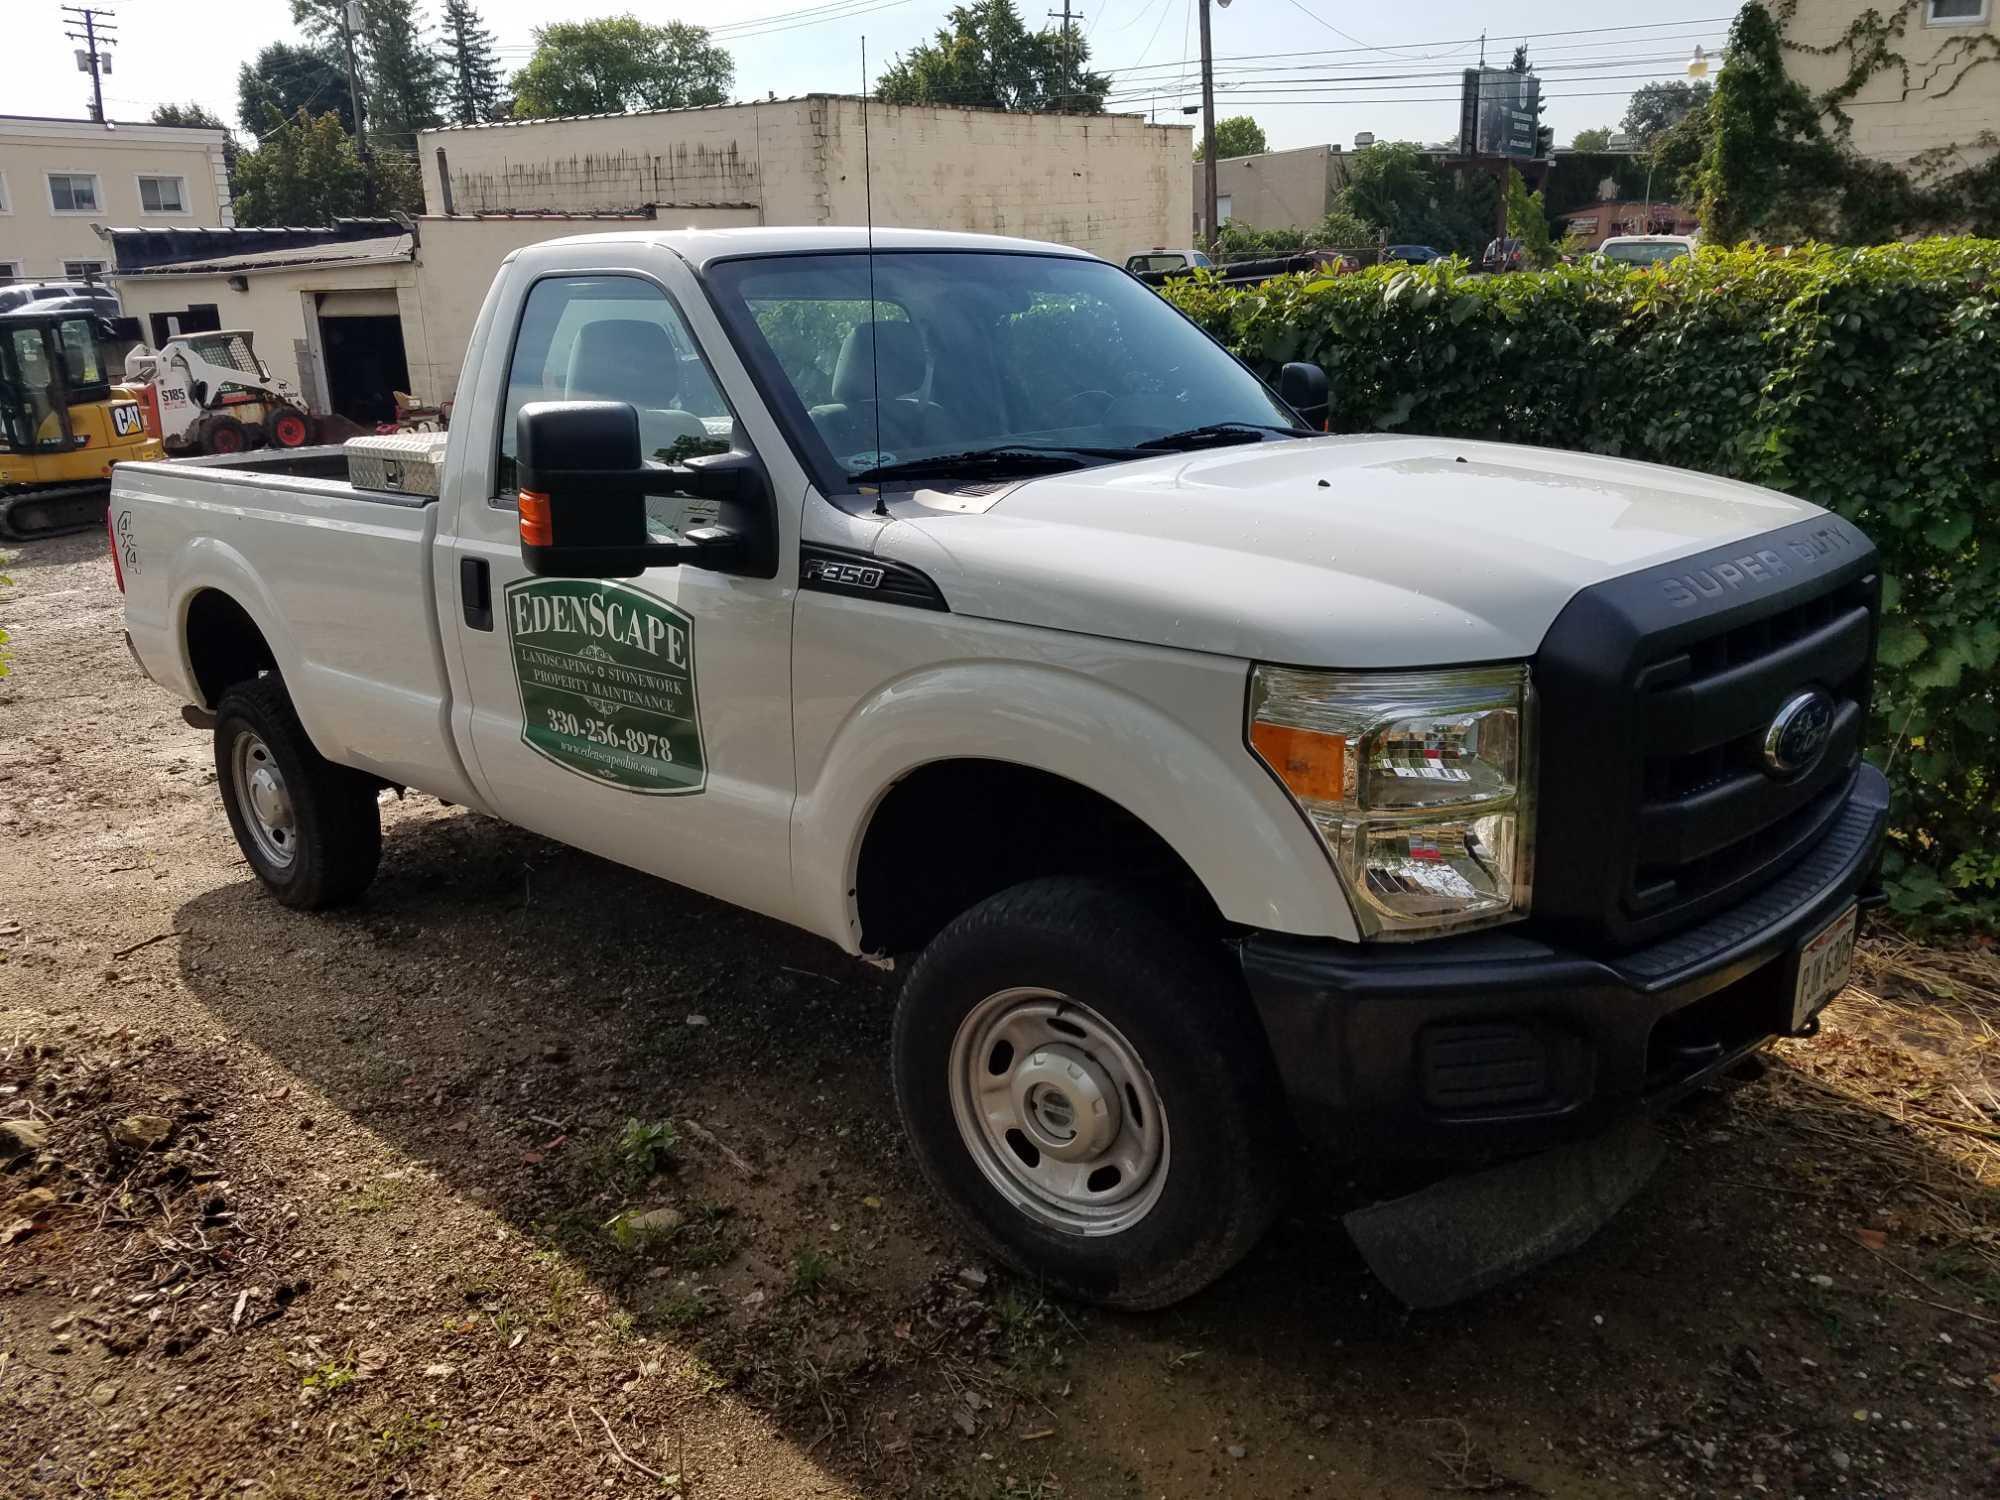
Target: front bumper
pixel 1497 1043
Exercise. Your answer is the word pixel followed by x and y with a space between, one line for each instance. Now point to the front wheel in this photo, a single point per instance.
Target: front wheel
pixel 310 829
pixel 1090 1091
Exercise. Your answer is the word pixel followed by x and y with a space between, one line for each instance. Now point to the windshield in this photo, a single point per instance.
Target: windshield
pixel 973 351
pixel 1644 255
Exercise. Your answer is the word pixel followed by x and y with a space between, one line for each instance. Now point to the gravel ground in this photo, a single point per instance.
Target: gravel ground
pixel 532 1177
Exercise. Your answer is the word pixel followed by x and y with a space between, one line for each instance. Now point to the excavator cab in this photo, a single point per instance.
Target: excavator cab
pixel 63 423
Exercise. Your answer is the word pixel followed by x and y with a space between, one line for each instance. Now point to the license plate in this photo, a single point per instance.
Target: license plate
pixel 1824 965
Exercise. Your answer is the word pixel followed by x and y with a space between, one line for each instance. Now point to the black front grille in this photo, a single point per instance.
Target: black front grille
pixel 1657 691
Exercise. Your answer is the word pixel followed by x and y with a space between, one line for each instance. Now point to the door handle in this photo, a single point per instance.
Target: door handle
pixel 475 592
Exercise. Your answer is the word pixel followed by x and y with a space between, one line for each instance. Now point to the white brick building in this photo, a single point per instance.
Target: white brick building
pixel 1110 184
pixel 1951 99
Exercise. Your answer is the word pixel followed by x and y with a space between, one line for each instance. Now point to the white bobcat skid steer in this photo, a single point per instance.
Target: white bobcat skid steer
pixel 215 396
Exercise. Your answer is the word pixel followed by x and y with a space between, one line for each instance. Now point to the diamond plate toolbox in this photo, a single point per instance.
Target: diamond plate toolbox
pixel 403 463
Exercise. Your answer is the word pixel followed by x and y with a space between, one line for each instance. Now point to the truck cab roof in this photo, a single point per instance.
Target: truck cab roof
pixel 698 247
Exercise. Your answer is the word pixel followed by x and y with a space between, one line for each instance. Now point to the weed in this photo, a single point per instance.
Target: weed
pixel 1033 1330
pixel 681 1309
pixel 374 1197
pixel 644 1149
pixel 564 1287
pixel 329 1379
pixel 633 1235
pixel 405 1436
pixel 622 1326
pixel 812 1272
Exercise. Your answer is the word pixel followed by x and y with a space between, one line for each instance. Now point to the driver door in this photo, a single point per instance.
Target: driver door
pixel 645 719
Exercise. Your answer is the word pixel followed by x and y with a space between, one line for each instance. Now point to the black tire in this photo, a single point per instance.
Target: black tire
pixel 336 837
pixel 1183 1009
pixel 224 435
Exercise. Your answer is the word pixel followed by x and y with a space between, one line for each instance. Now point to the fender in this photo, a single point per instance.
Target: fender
pixel 1238 832
pixel 206 562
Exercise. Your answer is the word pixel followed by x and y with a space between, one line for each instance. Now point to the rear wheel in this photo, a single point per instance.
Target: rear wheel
pixel 1088 1088
pixel 310 829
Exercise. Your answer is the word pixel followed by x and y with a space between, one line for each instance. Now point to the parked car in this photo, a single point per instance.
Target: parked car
pixel 1644 249
pixel 99 297
pixel 1216 781
pixel 1414 255
pixel 1162 260
pixel 1502 254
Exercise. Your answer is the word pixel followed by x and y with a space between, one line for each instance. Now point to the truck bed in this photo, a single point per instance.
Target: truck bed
pixel 339 582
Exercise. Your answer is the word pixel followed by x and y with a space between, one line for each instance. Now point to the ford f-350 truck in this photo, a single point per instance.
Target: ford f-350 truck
pixel 1222 783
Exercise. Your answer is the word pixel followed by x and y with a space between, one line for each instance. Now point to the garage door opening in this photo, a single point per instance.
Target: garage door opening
pixel 361 343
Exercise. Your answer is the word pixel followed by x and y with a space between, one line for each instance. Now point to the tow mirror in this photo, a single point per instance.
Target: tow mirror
pixel 1303 388
pixel 584 482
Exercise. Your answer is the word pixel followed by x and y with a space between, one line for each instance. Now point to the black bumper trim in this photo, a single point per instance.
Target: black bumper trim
pixel 1358 1031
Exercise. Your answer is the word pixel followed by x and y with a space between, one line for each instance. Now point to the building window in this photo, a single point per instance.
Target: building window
pixel 82 268
pixel 74 193
pixel 10 270
pixel 163 195
pixel 6 203
pixel 1955 12
pixel 1222 208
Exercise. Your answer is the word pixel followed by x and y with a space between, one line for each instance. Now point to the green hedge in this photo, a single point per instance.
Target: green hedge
pixel 1867 381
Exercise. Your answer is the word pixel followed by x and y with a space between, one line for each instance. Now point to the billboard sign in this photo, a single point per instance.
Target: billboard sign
pixel 1498 111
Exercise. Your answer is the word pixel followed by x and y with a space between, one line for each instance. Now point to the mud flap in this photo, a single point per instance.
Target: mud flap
pixel 1459 1237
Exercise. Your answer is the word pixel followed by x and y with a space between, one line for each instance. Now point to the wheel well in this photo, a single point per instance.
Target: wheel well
pixel 954 832
pixel 224 645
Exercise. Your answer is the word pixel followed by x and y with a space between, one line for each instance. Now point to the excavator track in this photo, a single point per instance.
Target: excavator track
pixel 28 515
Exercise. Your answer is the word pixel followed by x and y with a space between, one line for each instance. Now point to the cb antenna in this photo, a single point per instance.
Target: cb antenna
pixel 874 327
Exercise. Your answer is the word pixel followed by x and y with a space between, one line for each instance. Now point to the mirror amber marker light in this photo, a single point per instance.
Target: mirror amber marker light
pixel 535 528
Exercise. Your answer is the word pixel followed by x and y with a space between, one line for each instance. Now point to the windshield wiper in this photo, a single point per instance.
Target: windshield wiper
pixel 1013 458
pixel 1222 434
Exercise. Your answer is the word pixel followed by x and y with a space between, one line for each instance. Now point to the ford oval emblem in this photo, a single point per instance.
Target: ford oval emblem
pixel 1799 733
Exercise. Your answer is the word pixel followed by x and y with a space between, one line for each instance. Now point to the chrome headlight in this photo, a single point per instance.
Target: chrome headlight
pixel 1418 783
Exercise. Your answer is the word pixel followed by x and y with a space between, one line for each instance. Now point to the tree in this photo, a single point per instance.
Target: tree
pixel 1597 138
pixel 306 171
pixel 471 67
pixel 1767 159
pixel 189 116
pixel 284 79
pixel 1528 223
pixel 1404 196
pixel 1239 135
pixel 406 81
pixel 1657 107
pixel 985 57
pixel 618 63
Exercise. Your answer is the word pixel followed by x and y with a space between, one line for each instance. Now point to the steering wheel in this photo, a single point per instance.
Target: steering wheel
pixel 1105 399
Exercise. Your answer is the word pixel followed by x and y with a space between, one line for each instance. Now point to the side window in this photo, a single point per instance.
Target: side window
pixel 615 338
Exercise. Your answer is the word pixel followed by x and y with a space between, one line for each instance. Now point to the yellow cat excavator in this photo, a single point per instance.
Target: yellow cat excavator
pixel 63 423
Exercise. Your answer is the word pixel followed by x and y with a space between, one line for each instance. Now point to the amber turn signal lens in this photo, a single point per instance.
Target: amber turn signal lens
pixel 1311 764
pixel 535 528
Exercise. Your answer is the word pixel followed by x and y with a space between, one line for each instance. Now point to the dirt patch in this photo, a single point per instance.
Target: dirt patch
pixel 534 1177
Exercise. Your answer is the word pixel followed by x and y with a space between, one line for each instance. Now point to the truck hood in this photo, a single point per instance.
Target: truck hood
pixel 1334 551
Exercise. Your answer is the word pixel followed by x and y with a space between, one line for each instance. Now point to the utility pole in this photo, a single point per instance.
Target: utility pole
pixel 1068 54
pixel 351 22
pixel 1208 132
pixel 92 59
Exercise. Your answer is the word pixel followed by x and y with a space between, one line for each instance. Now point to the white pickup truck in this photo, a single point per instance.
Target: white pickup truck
pixel 1229 784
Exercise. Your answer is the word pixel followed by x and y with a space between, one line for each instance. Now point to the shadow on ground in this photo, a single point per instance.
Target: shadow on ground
pixel 501 1007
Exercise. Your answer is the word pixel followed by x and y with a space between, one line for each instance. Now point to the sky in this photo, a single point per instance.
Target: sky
pixel 1309 71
